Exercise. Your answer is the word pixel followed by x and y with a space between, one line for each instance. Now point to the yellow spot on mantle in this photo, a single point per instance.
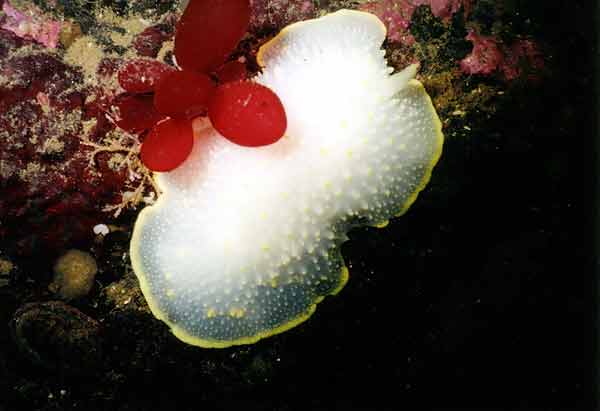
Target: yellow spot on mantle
pixel 237 312
pixel 211 313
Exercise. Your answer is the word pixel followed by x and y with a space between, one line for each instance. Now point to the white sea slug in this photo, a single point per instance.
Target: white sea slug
pixel 244 242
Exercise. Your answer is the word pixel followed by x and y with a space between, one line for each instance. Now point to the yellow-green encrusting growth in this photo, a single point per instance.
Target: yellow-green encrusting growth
pixel 244 242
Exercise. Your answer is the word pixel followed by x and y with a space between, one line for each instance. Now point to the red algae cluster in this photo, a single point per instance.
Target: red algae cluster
pixel 206 35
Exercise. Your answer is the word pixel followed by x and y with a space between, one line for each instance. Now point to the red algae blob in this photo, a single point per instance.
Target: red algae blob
pixel 208 32
pixel 137 113
pixel 167 145
pixel 231 71
pixel 141 76
pixel 248 114
pixel 183 94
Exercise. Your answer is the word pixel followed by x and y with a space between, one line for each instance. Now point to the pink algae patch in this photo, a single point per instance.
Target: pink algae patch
pixel 30 26
pixel 397 14
pixel 490 55
pixel 485 57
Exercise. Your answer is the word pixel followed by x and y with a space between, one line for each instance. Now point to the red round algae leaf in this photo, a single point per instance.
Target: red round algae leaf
pixel 247 113
pixel 141 76
pixel 231 71
pixel 208 32
pixel 137 113
pixel 167 145
pixel 183 94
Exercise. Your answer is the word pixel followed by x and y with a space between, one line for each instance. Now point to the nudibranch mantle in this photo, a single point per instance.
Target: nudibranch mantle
pixel 244 242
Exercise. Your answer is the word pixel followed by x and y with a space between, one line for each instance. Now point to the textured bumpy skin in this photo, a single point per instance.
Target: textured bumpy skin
pixel 244 242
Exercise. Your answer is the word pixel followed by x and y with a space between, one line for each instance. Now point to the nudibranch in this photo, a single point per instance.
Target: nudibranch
pixel 244 242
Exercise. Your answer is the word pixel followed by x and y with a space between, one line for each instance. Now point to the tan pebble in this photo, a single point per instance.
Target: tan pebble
pixel 74 274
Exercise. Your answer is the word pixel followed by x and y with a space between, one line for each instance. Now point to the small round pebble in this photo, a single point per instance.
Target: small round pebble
pixel 74 274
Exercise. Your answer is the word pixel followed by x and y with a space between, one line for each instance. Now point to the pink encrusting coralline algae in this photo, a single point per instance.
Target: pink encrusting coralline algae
pixel 276 14
pixel 490 55
pixel 31 25
pixel 397 14
pixel 485 57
